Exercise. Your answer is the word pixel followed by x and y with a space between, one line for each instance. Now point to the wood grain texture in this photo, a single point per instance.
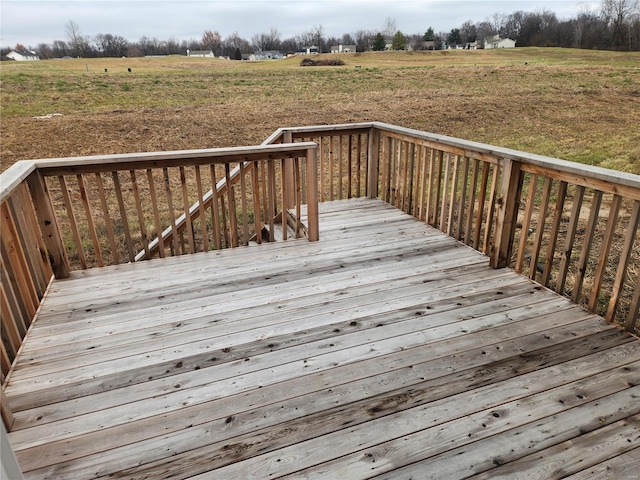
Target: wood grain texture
pixel 385 348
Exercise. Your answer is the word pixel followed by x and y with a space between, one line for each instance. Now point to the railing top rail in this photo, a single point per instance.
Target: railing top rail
pixel 18 172
pixel 311 129
pixel 14 176
pixel 573 168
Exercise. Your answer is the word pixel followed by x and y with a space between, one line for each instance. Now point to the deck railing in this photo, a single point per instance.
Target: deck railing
pixel 64 214
pixel 573 228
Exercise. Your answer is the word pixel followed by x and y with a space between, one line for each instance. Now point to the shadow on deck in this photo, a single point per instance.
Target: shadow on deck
pixel 385 349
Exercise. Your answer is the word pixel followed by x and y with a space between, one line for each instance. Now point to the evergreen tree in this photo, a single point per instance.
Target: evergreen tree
pixel 378 43
pixel 428 35
pixel 399 41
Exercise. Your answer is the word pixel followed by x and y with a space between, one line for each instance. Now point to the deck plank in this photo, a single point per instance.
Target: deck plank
pixel 384 349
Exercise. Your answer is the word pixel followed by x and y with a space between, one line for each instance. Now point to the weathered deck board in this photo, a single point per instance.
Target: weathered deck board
pixel 386 349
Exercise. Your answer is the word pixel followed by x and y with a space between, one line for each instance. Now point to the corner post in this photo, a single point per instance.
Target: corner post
pixel 372 162
pixel 48 225
pixel 313 229
pixel 506 213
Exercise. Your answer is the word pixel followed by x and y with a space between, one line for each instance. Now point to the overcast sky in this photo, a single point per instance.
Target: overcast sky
pixel 33 22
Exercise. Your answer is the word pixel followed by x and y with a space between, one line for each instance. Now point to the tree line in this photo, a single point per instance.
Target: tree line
pixel 615 25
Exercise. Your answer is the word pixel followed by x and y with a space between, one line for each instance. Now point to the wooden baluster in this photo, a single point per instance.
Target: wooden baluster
pixel 437 188
pixel 445 193
pixel 141 220
pixel 321 142
pixel 5 360
pixel 231 200
pixel 569 240
pixel 72 222
pixel 526 221
pixel 349 171
pixel 203 220
pixel 396 198
pixel 422 215
pixel 185 205
pixel 625 255
pixel 430 218
pixel 340 167
pixel 331 160
pixel 484 182
pixel 586 245
pixel 553 235
pixel 417 181
pixel 156 213
pixel 472 202
pixel 271 197
pixel 542 217
pixel 215 213
pixel 373 163
pixel 243 202
pixel 172 214
pixel 387 155
pixel 490 210
pixel 359 192
pixel 115 255
pixel 89 216
pixel 412 173
pixel 632 317
pixel 610 229
pixel 255 188
pixel 298 196
pixel 463 197
pixel 123 216
pixel 454 193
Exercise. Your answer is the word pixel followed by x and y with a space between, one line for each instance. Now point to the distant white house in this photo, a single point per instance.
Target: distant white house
pixel 496 42
pixel 23 56
pixel 200 53
pixel 312 50
pixel 343 49
pixel 267 55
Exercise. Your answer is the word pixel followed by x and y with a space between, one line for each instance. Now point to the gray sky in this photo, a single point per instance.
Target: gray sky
pixel 33 22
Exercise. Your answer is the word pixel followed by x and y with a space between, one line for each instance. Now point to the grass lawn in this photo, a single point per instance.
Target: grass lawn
pixel 572 104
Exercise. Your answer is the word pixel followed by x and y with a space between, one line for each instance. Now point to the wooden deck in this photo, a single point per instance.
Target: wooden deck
pixel 384 350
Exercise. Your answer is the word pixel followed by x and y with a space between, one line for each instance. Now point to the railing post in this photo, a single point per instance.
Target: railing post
pixel 372 162
pixel 506 214
pixel 289 175
pixel 313 230
pixel 48 225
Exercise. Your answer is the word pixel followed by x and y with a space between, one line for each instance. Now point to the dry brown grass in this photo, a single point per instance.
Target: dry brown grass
pixel 582 106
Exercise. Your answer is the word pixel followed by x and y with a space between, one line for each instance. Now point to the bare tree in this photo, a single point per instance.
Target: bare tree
pixel 211 40
pixel 266 41
pixel 77 43
pixel 364 40
pixel 615 14
pixel 390 28
pixel 317 31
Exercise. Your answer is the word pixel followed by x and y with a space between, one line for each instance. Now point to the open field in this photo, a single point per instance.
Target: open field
pixel 572 104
